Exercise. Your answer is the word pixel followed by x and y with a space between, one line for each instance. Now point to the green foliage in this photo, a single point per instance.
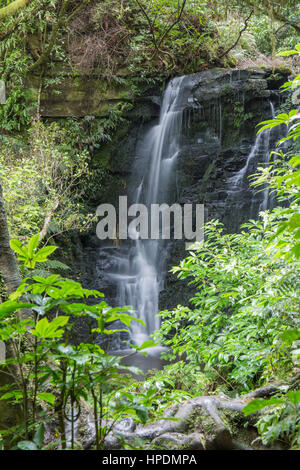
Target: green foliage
pixel 29 253
pixel 23 38
pixel 239 115
pixel 179 380
pixel 16 112
pixel 244 326
pixel 37 441
pixel 154 37
pixel 113 38
pixel 266 31
pixel 53 374
pixel 295 51
pixel 43 182
pixel 283 178
pixel 90 132
pixel 245 300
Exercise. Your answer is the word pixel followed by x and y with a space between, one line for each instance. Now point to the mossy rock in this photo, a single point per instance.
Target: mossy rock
pixel 78 96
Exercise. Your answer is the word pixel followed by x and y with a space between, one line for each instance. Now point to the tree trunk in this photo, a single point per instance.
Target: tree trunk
pixel 8 265
pixel 9 414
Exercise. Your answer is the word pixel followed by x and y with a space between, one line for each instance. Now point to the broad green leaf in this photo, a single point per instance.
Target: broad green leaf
pixel 142 413
pixel 290 336
pixel 47 397
pixel 146 344
pixel 45 329
pixel 32 245
pixel 50 280
pixel 287 53
pixel 259 403
pixel 16 395
pixel 39 435
pixel 16 246
pixel 10 306
pixel 43 253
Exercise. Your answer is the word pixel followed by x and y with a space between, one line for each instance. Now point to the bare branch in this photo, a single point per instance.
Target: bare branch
pixel 158 42
pixel 239 35
pixel 47 220
pixel 150 23
pixel 172 24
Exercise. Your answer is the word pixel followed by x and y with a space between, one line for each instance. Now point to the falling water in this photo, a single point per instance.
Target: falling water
pixel 273 136
pixel 259 155
pixel 138 269
pixel 260 148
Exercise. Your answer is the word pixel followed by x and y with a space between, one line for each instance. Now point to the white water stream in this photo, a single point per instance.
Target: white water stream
pixel 139 266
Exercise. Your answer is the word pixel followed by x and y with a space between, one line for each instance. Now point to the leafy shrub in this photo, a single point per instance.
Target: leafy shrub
pixel 244 303
pixel 280 420
pixel 51 375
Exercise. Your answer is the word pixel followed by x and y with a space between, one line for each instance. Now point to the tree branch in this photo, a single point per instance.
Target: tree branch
pixel 47 220
pixel 45 55
pixel 150 23
pixel 77 10
pixel 239 35
pixel 283 19
pixel 158 43
pixel 278 15
pixel 173 24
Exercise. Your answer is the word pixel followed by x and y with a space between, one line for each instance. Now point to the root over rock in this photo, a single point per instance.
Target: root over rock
pixel 201 423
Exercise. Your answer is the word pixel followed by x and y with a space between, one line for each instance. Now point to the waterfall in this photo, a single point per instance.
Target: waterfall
pixel 139 265
pixel 239 183
pixel 184 153
pixel 259 154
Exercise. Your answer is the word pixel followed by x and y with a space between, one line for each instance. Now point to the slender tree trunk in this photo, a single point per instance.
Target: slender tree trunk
pixel 8 264
pixel 46 53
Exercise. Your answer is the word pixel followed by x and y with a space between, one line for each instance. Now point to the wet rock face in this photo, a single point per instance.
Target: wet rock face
pixel 218 133
pixel 216 83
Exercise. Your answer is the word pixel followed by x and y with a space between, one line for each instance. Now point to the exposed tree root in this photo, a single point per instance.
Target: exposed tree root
pixel 201 423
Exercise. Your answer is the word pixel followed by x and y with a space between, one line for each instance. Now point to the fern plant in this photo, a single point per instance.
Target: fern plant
pixel 47 268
